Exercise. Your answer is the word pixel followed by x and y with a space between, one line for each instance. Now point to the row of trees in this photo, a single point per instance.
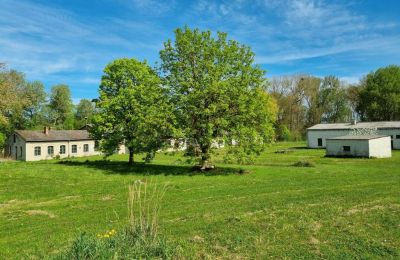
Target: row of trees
pixel 207 90
pixel 26 105
pixel 305 100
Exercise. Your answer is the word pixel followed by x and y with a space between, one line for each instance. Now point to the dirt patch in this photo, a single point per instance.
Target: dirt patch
pixel 356 210
pixel 40 212
pixel 316 226
pixel 197 239
pixel 107 198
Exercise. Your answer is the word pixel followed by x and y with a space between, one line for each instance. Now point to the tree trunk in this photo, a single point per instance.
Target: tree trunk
pixel 131 161
pixel 205 157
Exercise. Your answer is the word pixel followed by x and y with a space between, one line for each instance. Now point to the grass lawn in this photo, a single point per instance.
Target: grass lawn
pixel 341 208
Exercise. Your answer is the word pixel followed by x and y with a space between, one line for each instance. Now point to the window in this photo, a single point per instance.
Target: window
pixel 346 148
pixel 397 136
pixel 319 141
pixel 37 150
pixel 86 148
pixel 62 149
pixel 20 149
pixel 15 138
pixel 50 150
pixel 74 148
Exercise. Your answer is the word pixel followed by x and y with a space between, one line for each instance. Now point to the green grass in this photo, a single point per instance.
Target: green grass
pixel 338 208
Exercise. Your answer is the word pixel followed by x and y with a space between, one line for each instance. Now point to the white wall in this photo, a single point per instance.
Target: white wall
pixel 359 148
pixel 380 147
pixel 30 149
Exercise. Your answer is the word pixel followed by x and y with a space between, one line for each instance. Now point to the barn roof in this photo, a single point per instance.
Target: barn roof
pixel 54 135
pixel 357 137
pixel 345 126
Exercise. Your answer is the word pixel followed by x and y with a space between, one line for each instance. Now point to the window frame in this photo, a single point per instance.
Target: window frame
pixel 85 148
pixel 318 142
pixel 74 148
pixel 50 147
pixel 62 149
pixel 397 136
pixel 346 148
pixel 37 151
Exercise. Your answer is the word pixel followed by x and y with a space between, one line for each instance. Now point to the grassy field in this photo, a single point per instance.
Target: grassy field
pixel 341 208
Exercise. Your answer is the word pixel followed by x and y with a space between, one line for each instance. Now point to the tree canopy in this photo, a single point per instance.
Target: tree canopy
pixel 132 109
pixel 217 92
pixel 379 97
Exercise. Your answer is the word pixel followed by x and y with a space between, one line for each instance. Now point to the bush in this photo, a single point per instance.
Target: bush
pixel 304 164
pixel 121 245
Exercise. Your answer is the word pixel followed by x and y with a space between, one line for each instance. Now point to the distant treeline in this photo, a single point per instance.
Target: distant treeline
pixel 305 100
pixel 25 105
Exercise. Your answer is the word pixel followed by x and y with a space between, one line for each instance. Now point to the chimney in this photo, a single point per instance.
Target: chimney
pixel 46 130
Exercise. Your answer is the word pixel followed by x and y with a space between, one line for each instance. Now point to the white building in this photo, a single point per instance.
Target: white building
pixel 317 134
pixel 359 146
pixel 27 145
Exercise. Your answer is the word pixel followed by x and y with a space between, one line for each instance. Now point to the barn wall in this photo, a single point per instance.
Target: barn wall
pixel 313 135
pixel 394 132
pixel 380 147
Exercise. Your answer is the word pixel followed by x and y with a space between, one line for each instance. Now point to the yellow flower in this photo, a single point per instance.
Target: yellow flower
pixel 106 235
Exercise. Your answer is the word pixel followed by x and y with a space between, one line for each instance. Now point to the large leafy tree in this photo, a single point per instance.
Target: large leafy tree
pixel 379 97
pixel 217 92
pixel 84 112
pixel 132 109
pixel 61 106
pixel 34 97
pixel 332 101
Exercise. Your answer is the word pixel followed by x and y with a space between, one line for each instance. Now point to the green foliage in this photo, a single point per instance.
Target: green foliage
pixel 2 141
pixel 61 106
pixel 217 92
pixel 133 109
pixel 124 245
pixel 84 113
pixel 332 101
pixel 379 98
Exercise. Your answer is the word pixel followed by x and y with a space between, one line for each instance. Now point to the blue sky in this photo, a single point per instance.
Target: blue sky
pixel 71 41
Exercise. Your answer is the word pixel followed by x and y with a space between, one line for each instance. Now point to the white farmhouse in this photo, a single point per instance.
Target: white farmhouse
pixel 377 146
pixel 317 134
pixel 27 145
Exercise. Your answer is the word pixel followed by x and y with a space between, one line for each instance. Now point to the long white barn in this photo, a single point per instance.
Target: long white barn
pixel 317 134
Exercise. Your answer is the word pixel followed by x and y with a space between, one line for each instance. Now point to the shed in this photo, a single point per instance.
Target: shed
pixel 378 146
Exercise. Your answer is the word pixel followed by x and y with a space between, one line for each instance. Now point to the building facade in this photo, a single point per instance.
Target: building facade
pixel 376 146
pixel 29 145
pixel 318 134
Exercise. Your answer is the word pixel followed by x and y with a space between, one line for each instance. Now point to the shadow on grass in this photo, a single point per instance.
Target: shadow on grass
pixel 302 148
pixel 123 168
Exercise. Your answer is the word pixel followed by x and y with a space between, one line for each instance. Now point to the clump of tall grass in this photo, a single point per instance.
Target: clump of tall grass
pixel 144 203
pixel 139 239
